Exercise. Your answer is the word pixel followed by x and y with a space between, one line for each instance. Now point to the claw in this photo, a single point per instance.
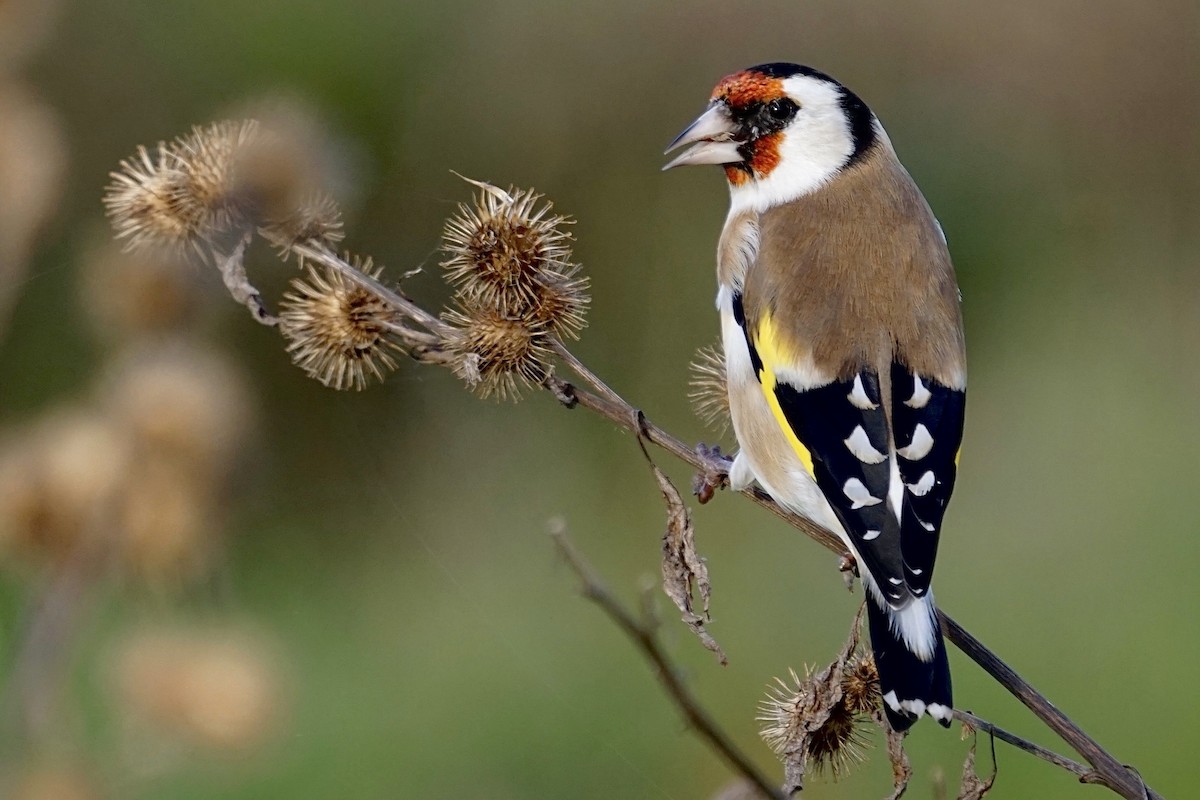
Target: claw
pixel 715 475
pixel 849 569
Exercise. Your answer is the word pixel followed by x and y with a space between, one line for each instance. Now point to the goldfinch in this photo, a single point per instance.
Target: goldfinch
pixel 844 347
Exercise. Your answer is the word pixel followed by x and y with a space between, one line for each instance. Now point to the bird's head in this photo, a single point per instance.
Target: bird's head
pixel 780 130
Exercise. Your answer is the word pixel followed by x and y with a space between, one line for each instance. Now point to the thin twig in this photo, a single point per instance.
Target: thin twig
pixel 644 636
pixel 1050 756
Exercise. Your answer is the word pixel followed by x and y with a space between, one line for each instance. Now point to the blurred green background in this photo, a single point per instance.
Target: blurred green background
pixel 391 544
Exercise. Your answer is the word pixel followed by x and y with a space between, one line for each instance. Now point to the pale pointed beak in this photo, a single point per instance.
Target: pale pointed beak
pixel 712 134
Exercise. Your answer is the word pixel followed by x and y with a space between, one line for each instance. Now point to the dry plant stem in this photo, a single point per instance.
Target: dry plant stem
pixel 643 635
pixel 1022 744
pixel 1106 770
pixel 37 671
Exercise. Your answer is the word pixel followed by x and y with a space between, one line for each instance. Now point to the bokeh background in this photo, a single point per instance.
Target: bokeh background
pixel 353 595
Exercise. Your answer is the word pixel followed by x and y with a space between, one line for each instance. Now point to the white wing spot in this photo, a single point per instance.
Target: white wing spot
pixel 927 526
pixel 895 581
pixel 920 396
pixel 871 535
pixel 922 487
pixel 858 396
pixel 858 494
pixel 922 443
pixel 860 445
pixel 917 571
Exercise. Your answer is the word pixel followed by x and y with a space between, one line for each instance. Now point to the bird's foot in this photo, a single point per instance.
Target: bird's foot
pixel 849 569
pixel 715 474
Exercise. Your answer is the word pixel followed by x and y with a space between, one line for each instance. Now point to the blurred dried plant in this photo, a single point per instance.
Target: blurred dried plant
pixel 32 168
pixel 217 688
pixel 54 782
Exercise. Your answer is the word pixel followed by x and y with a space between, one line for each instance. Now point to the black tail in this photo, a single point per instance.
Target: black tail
pixel 910 678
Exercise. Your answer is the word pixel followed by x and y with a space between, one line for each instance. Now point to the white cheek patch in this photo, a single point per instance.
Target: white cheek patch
pixel 813 148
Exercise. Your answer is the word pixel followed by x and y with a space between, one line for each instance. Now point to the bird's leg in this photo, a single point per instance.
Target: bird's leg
pixel 715 474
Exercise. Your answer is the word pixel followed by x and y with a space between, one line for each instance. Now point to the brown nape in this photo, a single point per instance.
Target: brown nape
pixel 741 89
pixel 764 157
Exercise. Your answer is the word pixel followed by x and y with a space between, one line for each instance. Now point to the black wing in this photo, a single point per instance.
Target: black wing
pixel 927 418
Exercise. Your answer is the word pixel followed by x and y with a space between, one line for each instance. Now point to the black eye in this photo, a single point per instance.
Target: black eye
pixel 781 108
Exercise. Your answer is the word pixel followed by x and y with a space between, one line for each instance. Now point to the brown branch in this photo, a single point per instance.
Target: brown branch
pixel 642 633
pixel 1106 769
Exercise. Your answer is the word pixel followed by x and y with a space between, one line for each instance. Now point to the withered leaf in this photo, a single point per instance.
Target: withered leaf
pixel 973 787
pixel 685 575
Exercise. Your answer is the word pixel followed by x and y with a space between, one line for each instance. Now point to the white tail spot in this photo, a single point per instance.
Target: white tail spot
pixel 858 494
pixel 858 396
pixel 922 487
pixel 860 445
pixel 922 443
pixel 920 396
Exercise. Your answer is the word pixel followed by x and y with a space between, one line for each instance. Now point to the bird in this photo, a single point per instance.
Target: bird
pixel 845 358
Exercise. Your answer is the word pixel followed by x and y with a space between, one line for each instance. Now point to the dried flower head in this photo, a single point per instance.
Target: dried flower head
pixel 806 722
pixel 503 247
pixel 315 218
pixel 860 685
pixel 59 482
pixel 218 688
pixel 708 390
pixel 497 353
pixel 337 331
pixel 208 157
pixel 150 204
pixel 130 294
pixel 560 304
pixel 180 402
pixel 166 523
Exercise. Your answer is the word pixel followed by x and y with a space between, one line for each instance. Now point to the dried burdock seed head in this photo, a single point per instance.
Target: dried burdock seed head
pixel 860 685
pixel 316 220
pixel 131 294
pixel 708 389
pixel 209 157
pixel 496 353
pixel 559 305
pixel 337 331
pixel 59 482
pixel 150 204
pixel 808 723
pixel 503 246
pixel 167 523
pixel 181 402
